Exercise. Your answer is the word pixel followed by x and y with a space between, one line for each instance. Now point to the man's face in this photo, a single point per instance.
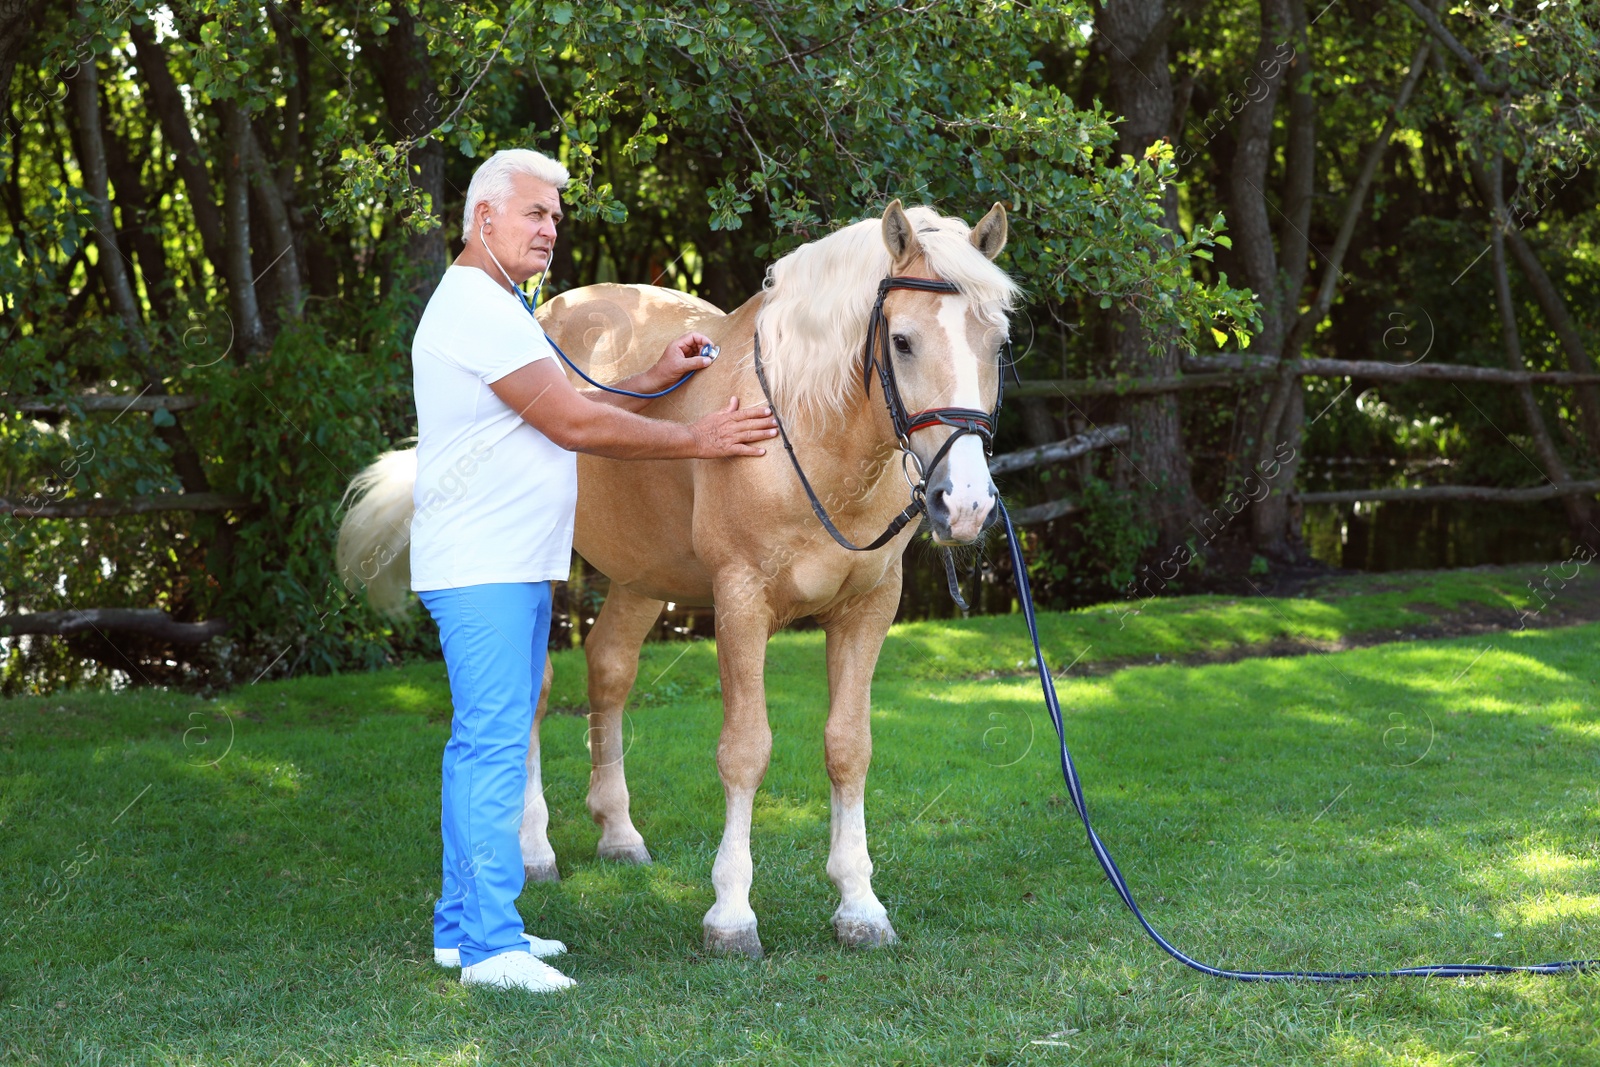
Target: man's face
pixel 523 233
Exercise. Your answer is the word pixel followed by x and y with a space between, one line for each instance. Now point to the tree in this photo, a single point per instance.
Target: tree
pixel 251 203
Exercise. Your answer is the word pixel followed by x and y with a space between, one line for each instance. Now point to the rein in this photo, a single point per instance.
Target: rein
pixel 969 421
pixel 1069 774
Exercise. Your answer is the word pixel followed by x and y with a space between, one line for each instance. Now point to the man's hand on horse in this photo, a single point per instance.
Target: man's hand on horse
pixel 681 357
pixel 733 432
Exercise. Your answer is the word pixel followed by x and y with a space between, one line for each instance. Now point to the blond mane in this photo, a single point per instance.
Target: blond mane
pixel 813 320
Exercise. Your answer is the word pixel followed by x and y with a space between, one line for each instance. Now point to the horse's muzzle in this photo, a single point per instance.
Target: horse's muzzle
pixel 961 496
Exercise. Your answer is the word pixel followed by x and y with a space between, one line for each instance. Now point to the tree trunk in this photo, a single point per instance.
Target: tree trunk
pixel 150 622
pixel 1251 222
pixel 411 98
pixel 113 267
pixel 1300 167
pixel 1038 425
pixel 84 89
pixel 134 202
pixel 164 97
pixel 16 28
pixel 1555 312
pixel 1155 466
pixel 249 332
pixel 1555 470
pixel 1275 524
pixel 1249 217
pixel 285 260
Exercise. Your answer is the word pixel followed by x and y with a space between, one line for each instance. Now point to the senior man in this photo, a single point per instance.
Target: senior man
pixel 498 424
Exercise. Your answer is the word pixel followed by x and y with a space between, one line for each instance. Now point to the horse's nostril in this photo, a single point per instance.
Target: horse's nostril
pixel 983 503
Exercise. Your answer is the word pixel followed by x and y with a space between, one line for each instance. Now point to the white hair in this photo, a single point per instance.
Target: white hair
pixel 813 320
pixel 491 182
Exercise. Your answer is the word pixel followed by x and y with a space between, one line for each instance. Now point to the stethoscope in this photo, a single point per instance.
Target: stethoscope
pixel 530 303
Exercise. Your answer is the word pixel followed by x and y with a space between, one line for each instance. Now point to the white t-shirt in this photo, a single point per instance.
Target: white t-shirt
pixel 494 497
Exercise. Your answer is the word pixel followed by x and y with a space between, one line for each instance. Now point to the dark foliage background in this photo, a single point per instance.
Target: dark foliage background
pixel 250 204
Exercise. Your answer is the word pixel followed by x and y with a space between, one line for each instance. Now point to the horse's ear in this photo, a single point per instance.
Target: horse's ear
pixel 898 234
pixel 989 235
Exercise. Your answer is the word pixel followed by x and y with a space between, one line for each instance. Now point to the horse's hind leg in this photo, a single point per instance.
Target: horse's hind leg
pixel 612 649
pixel 538 858
pixel 855 636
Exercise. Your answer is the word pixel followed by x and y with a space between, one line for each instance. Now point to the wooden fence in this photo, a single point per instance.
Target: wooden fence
pixel 1199 373
pixel 1235 370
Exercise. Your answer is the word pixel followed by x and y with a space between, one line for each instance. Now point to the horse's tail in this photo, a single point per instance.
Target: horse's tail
pixel 375 537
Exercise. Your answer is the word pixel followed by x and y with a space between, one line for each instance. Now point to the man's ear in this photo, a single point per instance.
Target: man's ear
pixel 989 235
pixel 898 235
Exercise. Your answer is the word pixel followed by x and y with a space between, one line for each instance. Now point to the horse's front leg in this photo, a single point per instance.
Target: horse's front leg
pixel 538 858
pixel 743 621
pixel 855 636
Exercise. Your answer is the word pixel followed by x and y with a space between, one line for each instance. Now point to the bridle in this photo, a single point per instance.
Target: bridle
pixel 962 421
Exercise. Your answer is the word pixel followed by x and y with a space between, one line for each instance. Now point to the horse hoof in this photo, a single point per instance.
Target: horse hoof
pixel 541 872
pixel 739 941
pixel 624 853
pixel 863 933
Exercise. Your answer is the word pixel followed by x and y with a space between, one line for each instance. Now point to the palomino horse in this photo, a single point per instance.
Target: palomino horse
pixel 740 534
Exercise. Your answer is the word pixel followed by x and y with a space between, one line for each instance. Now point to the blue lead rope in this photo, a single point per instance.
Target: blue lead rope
pixel 1069 772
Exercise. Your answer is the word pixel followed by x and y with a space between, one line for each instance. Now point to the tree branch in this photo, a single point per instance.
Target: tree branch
pixel 1480 77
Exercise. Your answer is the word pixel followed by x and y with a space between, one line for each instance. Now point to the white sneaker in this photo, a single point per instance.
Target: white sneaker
pixel 516 970
pixel 544 949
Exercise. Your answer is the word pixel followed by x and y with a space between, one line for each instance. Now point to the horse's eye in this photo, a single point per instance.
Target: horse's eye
pixel 901 345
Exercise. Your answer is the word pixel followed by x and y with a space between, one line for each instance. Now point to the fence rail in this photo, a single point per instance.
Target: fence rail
pixel 101 402
pixel 1380 370
pixel 149 622
pixel 1228 371
pixel 1055 452
pixel 1441 493
pixel 99 508
pixel 1060 451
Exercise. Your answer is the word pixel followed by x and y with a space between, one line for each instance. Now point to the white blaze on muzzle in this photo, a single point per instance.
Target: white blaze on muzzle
pixel 965 491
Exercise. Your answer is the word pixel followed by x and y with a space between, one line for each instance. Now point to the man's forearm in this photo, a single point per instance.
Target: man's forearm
pixel 612 431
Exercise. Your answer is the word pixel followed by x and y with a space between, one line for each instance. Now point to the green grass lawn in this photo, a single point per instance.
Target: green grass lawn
pixel 249 879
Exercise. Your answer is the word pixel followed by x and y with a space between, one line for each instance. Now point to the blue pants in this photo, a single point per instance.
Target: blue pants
pixel 494 639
